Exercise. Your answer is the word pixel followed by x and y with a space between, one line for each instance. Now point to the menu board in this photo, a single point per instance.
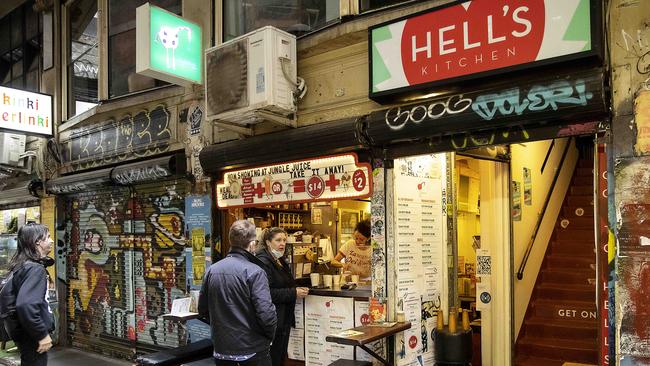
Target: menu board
pixel 420 232
pixel 362 317
pixel 326 315
pixel 296 348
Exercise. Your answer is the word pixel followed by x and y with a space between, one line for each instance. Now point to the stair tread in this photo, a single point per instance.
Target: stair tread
pixel 563 322
pixel 568 286
pixel 526 360
pixel 559 343
pixel 567 302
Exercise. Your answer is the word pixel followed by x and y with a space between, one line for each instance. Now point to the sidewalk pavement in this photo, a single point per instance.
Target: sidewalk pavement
pixel 67 356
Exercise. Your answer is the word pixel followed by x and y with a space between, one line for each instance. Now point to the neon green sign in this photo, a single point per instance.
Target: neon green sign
pixel 169 47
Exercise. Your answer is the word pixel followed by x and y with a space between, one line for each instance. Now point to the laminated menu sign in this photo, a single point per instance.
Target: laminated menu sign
pixel 322 179
pixel 420 229
pixel 324 316
pixel 296 348
pixel 362 317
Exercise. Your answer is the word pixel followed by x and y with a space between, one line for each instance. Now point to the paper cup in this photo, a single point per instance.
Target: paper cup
pixel 355 278
pixel 336 280
pixel 327 280
pixel 315 279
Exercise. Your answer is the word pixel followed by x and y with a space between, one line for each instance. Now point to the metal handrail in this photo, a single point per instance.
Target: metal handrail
pixel 522 266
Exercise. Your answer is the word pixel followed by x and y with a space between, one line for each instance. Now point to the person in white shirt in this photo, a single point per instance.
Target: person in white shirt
pixel 357 251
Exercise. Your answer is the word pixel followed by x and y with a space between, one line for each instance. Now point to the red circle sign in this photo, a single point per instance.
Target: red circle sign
pixel 365 319
pixel 413 341
pixel 359 180
pixel 276 187
pixel 315 186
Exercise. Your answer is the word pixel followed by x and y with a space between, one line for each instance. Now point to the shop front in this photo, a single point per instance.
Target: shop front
pixel 319 202
pixel 122 252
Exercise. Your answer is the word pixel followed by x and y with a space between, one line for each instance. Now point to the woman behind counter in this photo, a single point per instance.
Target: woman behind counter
pixel 357 251
pixel 283 288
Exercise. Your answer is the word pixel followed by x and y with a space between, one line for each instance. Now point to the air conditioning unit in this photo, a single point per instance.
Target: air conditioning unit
pixel 11 147
pixel 251 76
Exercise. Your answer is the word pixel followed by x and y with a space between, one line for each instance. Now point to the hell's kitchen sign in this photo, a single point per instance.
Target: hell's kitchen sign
pixel 322 179
pixel 471 38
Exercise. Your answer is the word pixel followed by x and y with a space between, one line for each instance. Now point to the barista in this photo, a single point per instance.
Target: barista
pixel 357 251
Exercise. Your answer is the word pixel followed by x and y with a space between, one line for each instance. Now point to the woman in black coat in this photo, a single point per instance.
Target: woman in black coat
pixel 283 288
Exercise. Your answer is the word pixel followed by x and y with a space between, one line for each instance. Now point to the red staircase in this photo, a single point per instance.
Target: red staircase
pixel 561 324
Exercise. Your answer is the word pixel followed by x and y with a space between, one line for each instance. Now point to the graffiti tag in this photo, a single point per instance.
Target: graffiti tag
pixel 512 101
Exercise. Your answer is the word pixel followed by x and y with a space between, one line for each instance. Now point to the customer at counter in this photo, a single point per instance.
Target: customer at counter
pixel 357 251
pixel 284 292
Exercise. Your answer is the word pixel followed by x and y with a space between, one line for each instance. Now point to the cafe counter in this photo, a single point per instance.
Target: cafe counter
pixel 324 312
pixel 362 291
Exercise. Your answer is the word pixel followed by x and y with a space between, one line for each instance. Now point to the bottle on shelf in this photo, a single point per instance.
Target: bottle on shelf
pixel 441 321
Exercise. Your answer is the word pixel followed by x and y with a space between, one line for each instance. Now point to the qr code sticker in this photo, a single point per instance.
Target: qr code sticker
pixel 483 265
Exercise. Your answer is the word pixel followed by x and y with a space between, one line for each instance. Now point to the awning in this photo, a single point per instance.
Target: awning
pixel 134 173
pixel 560 98
pixel 326 138
pixel 17 193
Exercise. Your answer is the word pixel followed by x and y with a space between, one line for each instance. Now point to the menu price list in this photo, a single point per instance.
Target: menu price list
pixel 324 316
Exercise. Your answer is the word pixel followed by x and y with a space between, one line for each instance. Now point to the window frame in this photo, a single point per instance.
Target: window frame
pixel 23 47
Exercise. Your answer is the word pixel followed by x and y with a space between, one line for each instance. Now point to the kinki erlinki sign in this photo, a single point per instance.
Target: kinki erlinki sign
pixel 26 112
pixel 473 39
pixel 321 179
pixel 168 47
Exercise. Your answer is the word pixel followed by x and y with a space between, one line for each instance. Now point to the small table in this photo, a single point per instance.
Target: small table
pixel 370 334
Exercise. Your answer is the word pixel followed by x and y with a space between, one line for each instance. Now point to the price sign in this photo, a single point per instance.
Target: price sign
pixel 359 180
pixel 322 179
pixel 315 187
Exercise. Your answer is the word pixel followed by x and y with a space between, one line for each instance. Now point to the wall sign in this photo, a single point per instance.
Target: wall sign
pixel 473 37
pixel 168 47
pixel 25 111
pixel 322 179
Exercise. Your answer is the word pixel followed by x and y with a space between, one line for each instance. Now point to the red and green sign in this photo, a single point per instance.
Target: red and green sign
pixel 475 37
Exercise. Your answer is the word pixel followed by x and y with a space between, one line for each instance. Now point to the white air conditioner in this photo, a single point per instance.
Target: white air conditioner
pixel 11 147
pixel 250 76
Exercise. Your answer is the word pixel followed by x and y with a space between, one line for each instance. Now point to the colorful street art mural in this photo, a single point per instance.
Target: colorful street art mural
pixel 125 266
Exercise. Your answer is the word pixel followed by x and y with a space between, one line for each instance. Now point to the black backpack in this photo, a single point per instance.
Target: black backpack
pixel 8 317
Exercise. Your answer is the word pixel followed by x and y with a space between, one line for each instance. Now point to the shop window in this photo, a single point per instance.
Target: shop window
pixel 122 78
pixel 83 56
pixel 20 48
pixel 367 5
pixel 298 17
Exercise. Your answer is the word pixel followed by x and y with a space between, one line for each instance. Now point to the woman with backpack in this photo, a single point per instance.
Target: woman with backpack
pixel 29 285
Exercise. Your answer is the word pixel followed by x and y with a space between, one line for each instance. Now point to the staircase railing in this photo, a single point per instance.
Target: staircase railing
pixel 529 248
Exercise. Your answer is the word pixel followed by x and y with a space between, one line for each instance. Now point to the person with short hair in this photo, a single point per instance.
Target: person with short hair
pixel 283 288
pixel 29 283
pixel 236 300
pixel 357 251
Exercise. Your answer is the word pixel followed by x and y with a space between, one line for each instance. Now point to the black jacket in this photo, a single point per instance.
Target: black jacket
pixel 36 320
pixel 235 298
pixel 283 288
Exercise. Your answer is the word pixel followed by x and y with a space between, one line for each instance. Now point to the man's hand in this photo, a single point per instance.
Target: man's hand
pixel 44 344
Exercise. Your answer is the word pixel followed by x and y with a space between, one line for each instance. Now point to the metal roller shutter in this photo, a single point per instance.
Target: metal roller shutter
pixel 125 265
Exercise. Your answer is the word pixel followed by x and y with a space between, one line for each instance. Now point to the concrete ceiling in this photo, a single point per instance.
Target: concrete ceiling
pixel 6 6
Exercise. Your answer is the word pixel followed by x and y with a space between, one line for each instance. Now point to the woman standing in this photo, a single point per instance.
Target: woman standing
pixel 283 289
pixel 357 251
pixel 29 284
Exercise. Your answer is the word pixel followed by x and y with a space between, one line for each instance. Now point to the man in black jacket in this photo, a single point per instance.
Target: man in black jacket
pixel 236 299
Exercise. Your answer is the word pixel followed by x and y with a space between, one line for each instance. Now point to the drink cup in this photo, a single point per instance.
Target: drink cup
pixel 355 278
pixel 336 280
pixel 327 280
pixel 315 279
